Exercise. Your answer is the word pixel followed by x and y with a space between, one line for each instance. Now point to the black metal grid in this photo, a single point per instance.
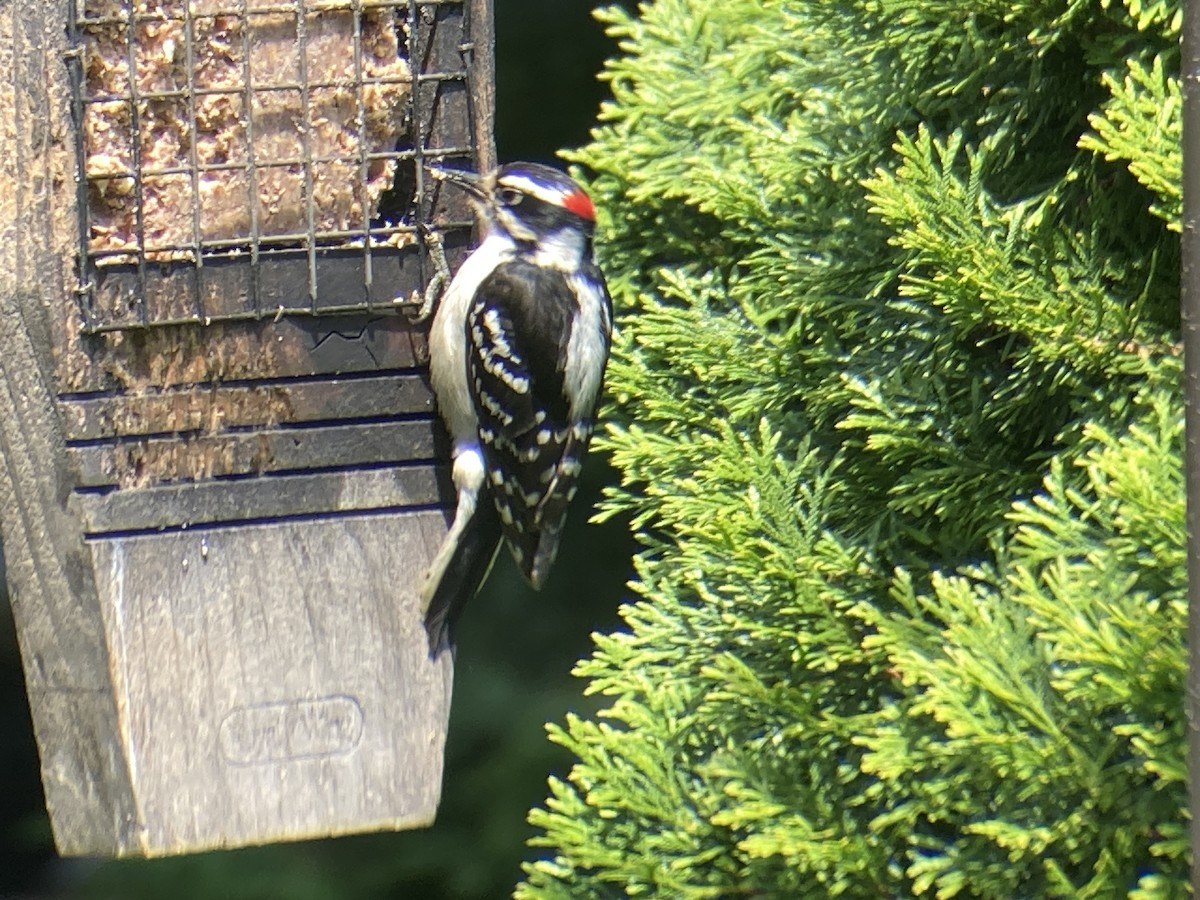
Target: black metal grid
pixel 302 272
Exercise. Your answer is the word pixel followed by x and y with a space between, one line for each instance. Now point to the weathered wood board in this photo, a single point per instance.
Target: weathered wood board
pixel 215 532
pixel 303 687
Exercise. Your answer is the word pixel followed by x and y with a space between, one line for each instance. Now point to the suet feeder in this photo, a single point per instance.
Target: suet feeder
pixel 221 472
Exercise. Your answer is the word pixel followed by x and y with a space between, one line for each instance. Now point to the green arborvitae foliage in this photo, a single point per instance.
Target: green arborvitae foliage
pixel 895 399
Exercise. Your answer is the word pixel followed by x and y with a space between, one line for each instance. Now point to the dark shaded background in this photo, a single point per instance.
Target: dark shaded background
pixel 515 652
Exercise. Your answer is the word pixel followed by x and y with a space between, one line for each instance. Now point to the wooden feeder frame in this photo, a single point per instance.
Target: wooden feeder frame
pixel 215 518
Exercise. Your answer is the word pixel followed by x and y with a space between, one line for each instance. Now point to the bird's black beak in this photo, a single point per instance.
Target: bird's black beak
pixel 468 181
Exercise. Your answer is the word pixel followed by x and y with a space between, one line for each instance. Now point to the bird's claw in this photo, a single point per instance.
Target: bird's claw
pixel 425 304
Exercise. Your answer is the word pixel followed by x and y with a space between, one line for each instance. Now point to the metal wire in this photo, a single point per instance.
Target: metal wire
pixel 414 53
pixel 123 287
pixel 135 154
pixel 189 47
pixel 360 118
pixel 310 202
pixel 251 168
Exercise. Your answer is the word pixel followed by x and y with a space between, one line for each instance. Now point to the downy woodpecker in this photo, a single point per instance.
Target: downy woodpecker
pixel 517 352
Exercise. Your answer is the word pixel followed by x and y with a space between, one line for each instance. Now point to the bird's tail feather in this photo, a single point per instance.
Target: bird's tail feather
pixel 459 569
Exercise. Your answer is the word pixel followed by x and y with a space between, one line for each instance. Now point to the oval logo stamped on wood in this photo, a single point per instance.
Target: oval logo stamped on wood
pixel 291 730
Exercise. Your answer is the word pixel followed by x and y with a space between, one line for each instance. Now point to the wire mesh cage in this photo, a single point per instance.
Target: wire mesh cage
pixel 245 159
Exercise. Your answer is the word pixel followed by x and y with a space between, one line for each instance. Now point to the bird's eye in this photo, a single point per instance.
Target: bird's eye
pixel 510 196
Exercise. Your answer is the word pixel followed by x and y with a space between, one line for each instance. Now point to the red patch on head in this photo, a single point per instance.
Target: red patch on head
pixel 580 204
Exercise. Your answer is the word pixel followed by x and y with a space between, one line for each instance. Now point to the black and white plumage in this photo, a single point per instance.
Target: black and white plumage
pixel 517 349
